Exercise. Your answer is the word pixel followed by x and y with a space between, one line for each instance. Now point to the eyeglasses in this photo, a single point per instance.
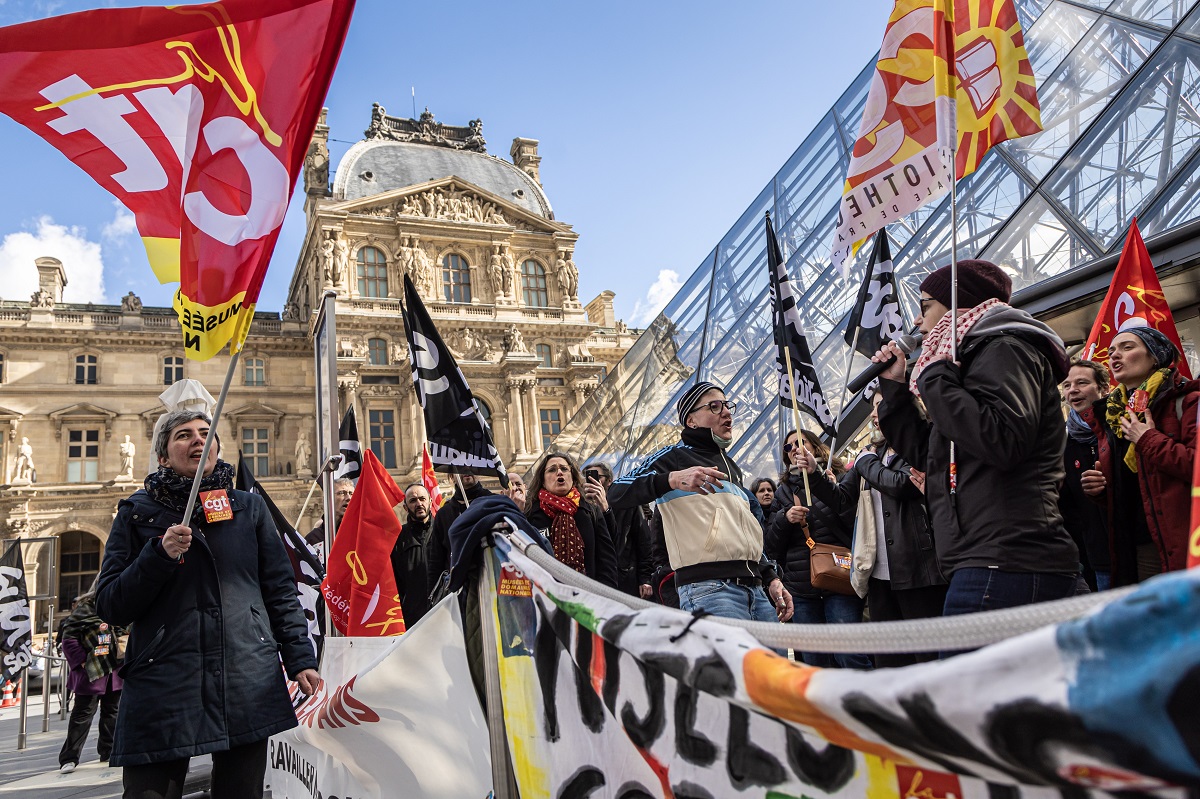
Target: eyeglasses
pixel 925 303
pixel 716 406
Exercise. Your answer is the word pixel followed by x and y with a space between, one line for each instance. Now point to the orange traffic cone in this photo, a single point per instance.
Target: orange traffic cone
pixel 8 700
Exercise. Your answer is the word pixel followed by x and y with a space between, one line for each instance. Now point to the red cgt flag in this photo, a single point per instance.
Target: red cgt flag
pixel 1193 553
pixel 197 119
pixel 359 585
pixel 430 481
pixel 1134 298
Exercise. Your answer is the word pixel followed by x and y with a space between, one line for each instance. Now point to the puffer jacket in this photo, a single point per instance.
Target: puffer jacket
pixel 1165 457
pixel 201 667
pixel 830 521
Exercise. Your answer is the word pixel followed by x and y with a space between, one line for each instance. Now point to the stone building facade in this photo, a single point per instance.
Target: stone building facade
pixel 80 384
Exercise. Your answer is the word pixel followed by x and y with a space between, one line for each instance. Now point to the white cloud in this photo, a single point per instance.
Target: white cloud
pixel 657 296
pixel 122 225
pixel 81 261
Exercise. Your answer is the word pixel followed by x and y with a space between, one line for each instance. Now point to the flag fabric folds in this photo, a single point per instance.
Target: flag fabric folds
pixel 359 586
pixel 876 317
pixel 16 627
pixel 1193 552
pixel 952 77
pixel 197 119
pixel 350 447
pixel 306 565
pixel 456 432
pixel 790 335
pixel 1135 298
pixel 430 481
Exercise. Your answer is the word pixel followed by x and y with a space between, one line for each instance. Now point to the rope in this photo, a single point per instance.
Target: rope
pixel 946 634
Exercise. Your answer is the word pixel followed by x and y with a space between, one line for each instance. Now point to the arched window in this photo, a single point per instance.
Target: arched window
pixel 86 370
pixel 172 369
pixel 546 354
pixel 78 565
pixel 456 279
pixel 377 351
pixel 484 410
pixel 372 273
pixel 533 285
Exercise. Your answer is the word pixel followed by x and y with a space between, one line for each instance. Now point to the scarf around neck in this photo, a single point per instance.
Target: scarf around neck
pixel 1123 404
pixel 938 342
pixel 84 626
pixel 1078 430
pixel 564 533
pixel 171 489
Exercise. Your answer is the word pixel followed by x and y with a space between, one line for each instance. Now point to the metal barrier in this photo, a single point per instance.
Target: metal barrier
pixel 47 670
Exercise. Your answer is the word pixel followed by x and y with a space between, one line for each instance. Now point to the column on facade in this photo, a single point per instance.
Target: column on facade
pixel 535 445
pixel 516 417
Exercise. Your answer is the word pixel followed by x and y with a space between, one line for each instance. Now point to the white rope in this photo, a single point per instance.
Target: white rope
pixel 944 634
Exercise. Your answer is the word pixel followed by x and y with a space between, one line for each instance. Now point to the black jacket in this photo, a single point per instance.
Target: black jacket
pixel 1002 410
pixel 830 521
pixel 437 551
pixel 1085 519
pixel 908 533
pixel 631 538
pixel 202 665
pixel 408 564
pixel 599 554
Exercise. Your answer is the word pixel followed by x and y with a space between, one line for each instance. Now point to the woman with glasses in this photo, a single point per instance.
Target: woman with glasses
pixel 828 519
pixel 572 521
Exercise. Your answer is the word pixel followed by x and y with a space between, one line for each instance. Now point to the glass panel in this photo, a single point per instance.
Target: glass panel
pixel 1164 13
pixel 1037 245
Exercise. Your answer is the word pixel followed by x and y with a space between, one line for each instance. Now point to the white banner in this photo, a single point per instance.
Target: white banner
pixel 395 717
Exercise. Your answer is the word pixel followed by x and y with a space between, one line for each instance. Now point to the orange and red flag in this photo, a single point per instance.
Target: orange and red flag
pixel 197 119
pixel 1135 298
pixel 952 77
pixel 359 585
pixel 430 481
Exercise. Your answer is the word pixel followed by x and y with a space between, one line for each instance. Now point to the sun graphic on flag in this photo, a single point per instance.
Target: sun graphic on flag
pixel 997 95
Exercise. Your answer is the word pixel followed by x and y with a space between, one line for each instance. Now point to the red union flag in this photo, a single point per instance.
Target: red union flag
pixel 952 76
pixel 1193 553
pixel 197 119
pixel 1135 297
pixel 359 585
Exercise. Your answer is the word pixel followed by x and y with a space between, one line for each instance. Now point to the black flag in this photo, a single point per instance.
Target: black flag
pixel 16 629
pixel 351 450
pixel 306 566
pixel 789 334
pixel 876 315
pixel 458 435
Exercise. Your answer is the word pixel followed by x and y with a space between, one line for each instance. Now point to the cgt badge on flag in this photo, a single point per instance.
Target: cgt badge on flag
pixel 197 119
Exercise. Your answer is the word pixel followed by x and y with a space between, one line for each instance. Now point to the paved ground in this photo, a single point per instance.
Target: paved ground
pixel 32 773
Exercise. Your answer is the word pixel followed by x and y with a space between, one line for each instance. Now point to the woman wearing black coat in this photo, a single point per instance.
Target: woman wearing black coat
pixel 213 608
pixel 574 523
pixel 830 520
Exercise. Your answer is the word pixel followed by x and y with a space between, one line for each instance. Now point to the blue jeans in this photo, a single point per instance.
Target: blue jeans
pixel 975 588
pixel 830 609
pixel 1103 581
pixel 727 599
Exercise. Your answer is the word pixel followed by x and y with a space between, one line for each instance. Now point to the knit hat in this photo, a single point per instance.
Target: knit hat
pixel 687 403
pixel 1161 347
pixel 978 281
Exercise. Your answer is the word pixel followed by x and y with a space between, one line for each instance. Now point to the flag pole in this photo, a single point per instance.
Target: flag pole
pixel 208 440
pixel 787 356
pixel 845 384
pixel 952 77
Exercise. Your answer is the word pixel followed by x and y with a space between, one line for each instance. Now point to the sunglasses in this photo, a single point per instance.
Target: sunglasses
pixel 791 446
pixel 716 406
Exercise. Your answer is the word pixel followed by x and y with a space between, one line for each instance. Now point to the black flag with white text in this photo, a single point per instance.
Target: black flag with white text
pixel 789 335
pixel 16 629
pixel 351 450
pixel 876 317
pixel 457 433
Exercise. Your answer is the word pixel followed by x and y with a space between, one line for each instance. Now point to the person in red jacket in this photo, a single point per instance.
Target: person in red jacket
pixel 1146 430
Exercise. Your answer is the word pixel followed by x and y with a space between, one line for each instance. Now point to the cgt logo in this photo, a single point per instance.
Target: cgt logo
pixel 216 505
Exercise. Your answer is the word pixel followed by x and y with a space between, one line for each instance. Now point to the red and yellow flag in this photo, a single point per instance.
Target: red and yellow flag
pixel 359 585
pixel 430 481
pixel 197 119
pixel 1193 552
pixel 952 77
pixel 1135 298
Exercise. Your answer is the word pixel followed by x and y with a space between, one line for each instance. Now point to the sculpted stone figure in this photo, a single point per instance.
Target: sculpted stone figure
pixel 303 451
pixel 511 281
pixel 514 341
pixel 341 264
pixel 291 312
pixel 41 299
pixel 496 272
pixel 422 269
pixel 130 303
pixel 23 469
pixel 567 274
pixel 128 450
pixel 327 262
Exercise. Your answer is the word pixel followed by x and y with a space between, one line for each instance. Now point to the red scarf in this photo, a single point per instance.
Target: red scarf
pixel 937 343
pixel 564 533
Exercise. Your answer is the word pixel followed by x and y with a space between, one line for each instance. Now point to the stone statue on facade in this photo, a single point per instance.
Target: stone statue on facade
pixel 514 342
pixel 510 274
pixel 327 262
pixel 568 276
pixel 399 353
pixel 422 269
pixel 316 166
pixel 23 468
pixel 376 128
pixel 468 345
pixel 475 141
pixel 303 452
pixel 404 256
pixel 496 273
pixel 130 303
pixel 128 450
pixel 41 299
pixel 341 256
pixel 291 312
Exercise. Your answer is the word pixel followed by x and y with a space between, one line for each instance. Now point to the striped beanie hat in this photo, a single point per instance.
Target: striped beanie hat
pixel 687 403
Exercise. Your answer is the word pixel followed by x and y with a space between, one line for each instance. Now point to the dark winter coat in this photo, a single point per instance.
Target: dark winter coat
pixel 599 554
pixel 437 550
pixel 408 565
pixel 1002 409
pixel 830 521
pixel 631 537
pixel 1085 520
pixel 201 669
pixel 1164 456
pixel 908 533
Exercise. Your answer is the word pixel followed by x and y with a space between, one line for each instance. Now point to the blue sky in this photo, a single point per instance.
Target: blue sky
pixel 659 122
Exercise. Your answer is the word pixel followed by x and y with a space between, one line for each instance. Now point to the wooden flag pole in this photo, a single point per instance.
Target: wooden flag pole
pixel 787 356
pixel 208 440
pixel 845 384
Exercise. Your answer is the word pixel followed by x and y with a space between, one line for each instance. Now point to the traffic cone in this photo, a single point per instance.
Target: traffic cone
pixel 8 700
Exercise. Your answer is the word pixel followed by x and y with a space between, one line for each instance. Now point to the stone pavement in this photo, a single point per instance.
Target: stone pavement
pixel 32 773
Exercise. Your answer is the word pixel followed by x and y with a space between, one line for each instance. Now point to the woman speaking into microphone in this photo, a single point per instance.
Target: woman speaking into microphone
pixel 211 602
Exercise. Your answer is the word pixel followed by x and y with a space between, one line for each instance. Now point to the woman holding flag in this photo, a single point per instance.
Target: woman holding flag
pixel 1146 432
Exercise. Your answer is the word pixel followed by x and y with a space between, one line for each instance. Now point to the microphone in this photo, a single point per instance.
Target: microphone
pixel 906 343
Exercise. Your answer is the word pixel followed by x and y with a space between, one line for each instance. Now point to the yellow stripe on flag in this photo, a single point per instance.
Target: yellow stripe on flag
pixel 164 258
pixel 206 330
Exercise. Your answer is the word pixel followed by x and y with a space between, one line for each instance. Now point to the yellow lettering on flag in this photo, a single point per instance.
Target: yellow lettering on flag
pixel 206 329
